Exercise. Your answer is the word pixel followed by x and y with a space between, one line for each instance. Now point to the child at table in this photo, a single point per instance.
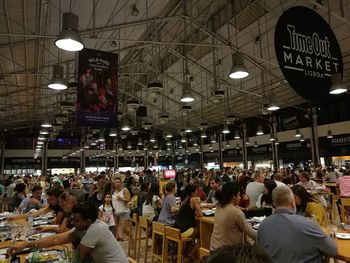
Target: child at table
pixel 106 212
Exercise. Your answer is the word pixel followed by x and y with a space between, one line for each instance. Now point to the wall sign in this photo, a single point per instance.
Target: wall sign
pixel 308 52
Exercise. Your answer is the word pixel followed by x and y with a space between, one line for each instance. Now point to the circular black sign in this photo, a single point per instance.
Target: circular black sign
pixel 308 52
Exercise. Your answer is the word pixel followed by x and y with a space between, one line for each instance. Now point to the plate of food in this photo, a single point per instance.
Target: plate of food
pixel 342 235
pixel 44 256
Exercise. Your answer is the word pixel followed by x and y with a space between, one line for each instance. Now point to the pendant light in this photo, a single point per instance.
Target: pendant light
pixel 69 38
pixel 203 134
pixel 337 86
pixel 227 145
pixel 260 130
pixel 237 136
pixel 276 142
pixel 225 130
pixel 238 70
pixel 329 134
pixel 113 133
pixel 57 82
pixel 256 144
pixel 139 142
pixel 187 93
pixel 297 133
pixel 272 104
pixel 301 139
pixel 247 142
pixel 46 124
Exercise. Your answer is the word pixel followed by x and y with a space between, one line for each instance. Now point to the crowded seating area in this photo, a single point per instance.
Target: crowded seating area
pixel 146 217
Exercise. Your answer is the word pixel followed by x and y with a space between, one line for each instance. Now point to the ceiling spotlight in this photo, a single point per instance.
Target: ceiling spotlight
pixel 125 127
pixel 337 86
pixel 44 132
pixel 272 105
pixel 69 38
pixel 46 124
pixel 238 70
pixel 225 130
pixel 57 82
pixel 297 133
pixel 187 93
pixel 237 136
pixel 329 134
pixel 260 130
pixel 113 133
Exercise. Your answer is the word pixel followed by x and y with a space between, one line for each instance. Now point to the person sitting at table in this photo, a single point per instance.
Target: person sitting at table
pixel 90 235
pixel 230 224
pixel 153 203
pixel 214 186
pixel 169 207
pixel 19 195
pixel 265 199
pixel 308 184
pixel 53 206
pixel 34 201
pixel 238 254
pixel 199 191
pixel 189 209
pixel 256 188
pixel 288 237
pixel 309 206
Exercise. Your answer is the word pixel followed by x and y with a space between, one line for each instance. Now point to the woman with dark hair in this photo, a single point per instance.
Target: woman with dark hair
pixel 152 202
pixel 189 209
pixel 308 205
pixel 265 199
pixel 230 224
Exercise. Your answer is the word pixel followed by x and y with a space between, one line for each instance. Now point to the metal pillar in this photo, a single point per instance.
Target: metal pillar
pixel 82 161
pixel 221 162
pixel 3 144
pixel 44 159
pixel 314 137
pixel 274 147
pixel 202 155
pixel 244 147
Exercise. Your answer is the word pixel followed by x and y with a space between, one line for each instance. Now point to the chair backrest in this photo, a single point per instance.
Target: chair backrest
pixel 131 260
pixel 143 221
pixel 345 203
pixel 172 233
pixel 158 228
pixel 135 218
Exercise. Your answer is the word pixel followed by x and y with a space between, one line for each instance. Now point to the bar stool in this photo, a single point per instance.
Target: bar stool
pixel 133 234
pixel 203 253
pixel 131 260
pixel 143 226
pixel 157 231
pixel 174 235
pixel 334 211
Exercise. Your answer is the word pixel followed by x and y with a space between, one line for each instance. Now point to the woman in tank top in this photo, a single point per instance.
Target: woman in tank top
pixel 120 199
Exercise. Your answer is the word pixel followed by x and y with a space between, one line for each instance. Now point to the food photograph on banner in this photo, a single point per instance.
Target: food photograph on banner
pixel 97 89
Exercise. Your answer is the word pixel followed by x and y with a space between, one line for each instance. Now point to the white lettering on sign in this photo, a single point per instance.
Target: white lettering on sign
pixel 307 47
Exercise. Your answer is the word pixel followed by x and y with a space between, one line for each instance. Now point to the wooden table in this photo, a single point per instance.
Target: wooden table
pixel 22 257
pixel 206 226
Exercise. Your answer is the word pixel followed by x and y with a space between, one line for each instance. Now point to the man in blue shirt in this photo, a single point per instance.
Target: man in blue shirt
pixel 288 237
pixel 33 201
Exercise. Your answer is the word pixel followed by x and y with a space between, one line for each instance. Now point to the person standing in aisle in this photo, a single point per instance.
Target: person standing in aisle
pixel 96 191
pixel 120 199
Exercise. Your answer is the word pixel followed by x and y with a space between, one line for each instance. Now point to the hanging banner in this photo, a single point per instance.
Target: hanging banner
pixel 308 52
pixel 97 89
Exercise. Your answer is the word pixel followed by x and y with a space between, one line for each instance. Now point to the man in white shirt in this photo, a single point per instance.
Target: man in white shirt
pixel 256 188
pixel 278 179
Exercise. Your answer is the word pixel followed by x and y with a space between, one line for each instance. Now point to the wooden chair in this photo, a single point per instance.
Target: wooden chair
pixel 131 260
pixel 334 207
pixel 203 253
pixel 157 232
pixel 174 235
pixel 134 220
pixel 345 209
pixel 143 226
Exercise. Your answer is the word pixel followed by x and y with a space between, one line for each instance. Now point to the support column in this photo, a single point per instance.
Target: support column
pixel 221 163
pixel 244 147
pixel 274 147
pixel 315 135
pixel 201 154
pixel 44 159
pixel 82 161
pixel 3 146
